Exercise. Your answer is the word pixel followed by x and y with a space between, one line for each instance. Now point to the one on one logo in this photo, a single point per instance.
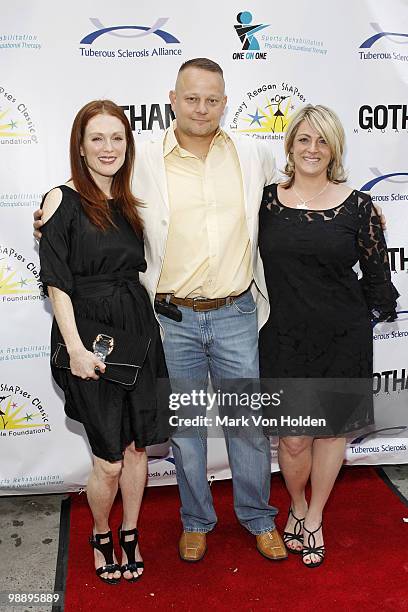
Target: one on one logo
pixel 389 178
pixel 140 31
pixel 394 37
pixel 246 32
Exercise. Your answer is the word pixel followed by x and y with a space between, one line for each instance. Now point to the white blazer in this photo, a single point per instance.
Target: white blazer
pixel 150 187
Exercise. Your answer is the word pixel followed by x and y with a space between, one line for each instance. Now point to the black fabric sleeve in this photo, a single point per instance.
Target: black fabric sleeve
pixel 379 292
pixel 55 248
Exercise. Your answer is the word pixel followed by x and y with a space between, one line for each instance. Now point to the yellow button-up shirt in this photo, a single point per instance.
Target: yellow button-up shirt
pixel 208 250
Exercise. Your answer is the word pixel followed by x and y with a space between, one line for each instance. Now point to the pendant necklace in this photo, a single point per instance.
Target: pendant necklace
pixel 302 203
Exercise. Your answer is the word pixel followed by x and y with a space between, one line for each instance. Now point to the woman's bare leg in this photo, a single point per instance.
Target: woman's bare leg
pixel 101 491
pixel 328 455
pixel 295 460
pixel 132 484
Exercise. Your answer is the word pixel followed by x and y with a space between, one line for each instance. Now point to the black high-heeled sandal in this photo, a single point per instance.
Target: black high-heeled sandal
pixel 296 535
pixel 312 549
pixel 106 549
pixel 129 546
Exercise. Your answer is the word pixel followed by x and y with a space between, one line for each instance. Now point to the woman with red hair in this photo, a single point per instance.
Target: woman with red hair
pixel 91 253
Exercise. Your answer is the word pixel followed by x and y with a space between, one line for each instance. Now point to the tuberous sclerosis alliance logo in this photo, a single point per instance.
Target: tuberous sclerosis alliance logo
pixel 19 277
pixel 371 443
pixel 392 431
pixel 20 413
pixel 396 38
pixel 267 118
pixel 389 178
pixel 129 32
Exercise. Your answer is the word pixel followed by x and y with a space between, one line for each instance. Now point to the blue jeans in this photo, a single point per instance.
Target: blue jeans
pixel 224 344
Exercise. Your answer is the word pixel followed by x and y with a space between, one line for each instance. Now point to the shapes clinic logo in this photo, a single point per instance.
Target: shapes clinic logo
pixel 10 417
pixel 367 44
pixel 246 32
pixel 270 119
pixel 7 129
pixel 142 31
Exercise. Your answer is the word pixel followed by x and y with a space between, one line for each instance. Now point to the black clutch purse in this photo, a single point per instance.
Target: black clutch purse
pixel 123 353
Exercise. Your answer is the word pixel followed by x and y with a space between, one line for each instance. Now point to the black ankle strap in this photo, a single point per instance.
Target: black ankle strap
pixel 102 536
pixel 128 532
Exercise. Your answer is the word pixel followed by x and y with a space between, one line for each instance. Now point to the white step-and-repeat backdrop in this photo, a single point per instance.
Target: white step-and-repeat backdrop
pixel 55 57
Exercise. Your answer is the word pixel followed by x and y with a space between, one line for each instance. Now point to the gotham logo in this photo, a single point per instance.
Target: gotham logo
pixel 382 118
pixel 398 259
pixel 390 381
pixel 147 117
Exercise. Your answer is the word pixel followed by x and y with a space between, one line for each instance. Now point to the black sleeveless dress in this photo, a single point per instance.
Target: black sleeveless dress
pixel 319 326
pixel 74 254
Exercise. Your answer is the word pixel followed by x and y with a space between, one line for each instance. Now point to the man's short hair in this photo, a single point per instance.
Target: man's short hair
pixel 204 64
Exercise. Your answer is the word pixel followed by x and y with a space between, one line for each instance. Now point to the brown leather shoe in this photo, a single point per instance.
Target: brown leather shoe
pixel 192 545
pixel 271 545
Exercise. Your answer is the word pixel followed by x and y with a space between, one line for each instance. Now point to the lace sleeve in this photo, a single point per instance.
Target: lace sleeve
pixel 379 292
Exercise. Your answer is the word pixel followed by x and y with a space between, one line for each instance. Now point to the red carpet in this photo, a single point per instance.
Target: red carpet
pixel 366 568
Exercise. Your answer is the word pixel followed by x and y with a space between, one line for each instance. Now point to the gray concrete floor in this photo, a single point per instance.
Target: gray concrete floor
pixel 29 530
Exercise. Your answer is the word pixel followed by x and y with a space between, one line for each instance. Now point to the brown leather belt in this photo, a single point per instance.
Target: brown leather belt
pixel 198 304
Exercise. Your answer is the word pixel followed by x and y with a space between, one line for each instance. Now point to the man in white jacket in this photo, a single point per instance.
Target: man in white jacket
pixel 201 189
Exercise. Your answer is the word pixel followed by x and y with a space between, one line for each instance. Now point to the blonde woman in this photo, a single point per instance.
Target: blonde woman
pixel 313 228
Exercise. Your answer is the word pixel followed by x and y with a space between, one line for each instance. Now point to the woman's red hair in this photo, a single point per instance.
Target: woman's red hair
pixel 92 198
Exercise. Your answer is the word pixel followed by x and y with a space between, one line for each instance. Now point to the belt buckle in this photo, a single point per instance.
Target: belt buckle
pixel 200 299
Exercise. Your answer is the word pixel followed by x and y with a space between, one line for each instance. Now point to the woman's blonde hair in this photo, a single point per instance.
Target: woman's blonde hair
pixel 326 122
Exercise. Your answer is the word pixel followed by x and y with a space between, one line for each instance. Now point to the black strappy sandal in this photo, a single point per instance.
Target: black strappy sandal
pixel 106 549
pixel 129 546
pixel 312 549
pixel 296 535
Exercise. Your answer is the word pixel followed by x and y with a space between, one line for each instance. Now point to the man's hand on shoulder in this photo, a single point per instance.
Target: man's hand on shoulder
pixel 50 205
pixel 381 215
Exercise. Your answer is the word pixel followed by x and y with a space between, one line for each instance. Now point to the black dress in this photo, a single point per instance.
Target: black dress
pixel 100 272
pixel 320 321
